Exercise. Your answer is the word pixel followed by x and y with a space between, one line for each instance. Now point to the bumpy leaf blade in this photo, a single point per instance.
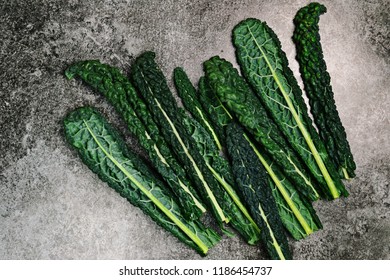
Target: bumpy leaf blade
pixel 104 152
pixel 188 95
pixel 252 181
pixel 298 215
pixel 119 91
pixel 221 169
pixel 212 105
pixel 265 66
pixel 316 80
pixel 203 132
pixel 235 93
pixel 152 84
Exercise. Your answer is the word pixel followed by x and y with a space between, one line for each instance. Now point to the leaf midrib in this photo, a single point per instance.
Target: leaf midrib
pixel 210 194
pixel 282 189
pixel 334 191
pixel 165 210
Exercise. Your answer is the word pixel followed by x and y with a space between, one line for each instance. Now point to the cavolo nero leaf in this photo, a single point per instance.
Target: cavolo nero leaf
pixel 204 137
pixel 265 66
pixel 218 114
pixel 316 80
pixel 252 181
pixel 181 132
pixel 147 78
pixel 297 214
pixel 119 91
pixel 240 217
pixel 188 95
pixel 237 96
pixel 103 150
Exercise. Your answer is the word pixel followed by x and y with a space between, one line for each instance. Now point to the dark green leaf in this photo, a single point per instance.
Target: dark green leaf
pixel 238 97
pixel 188 95
pixel 298 216
pixel 265 66
pixel 316 80
pixel 104 152
pixel 180 132
pixel 119 91
pixel 252 181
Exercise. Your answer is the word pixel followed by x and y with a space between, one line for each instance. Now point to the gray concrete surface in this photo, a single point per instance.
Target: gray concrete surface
pixel 53 207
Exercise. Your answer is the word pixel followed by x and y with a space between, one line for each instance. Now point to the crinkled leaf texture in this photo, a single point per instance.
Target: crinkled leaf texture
pixel 102 149
pixel 252 181
pixel 265 66
pixel 238 97
pixel 316 80
pixel 190 98
pixel 119 91
pixel 297 214
pixel 240 217
pixel 198 155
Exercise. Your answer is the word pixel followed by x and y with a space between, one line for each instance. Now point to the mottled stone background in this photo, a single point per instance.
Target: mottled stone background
pixel 53 207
